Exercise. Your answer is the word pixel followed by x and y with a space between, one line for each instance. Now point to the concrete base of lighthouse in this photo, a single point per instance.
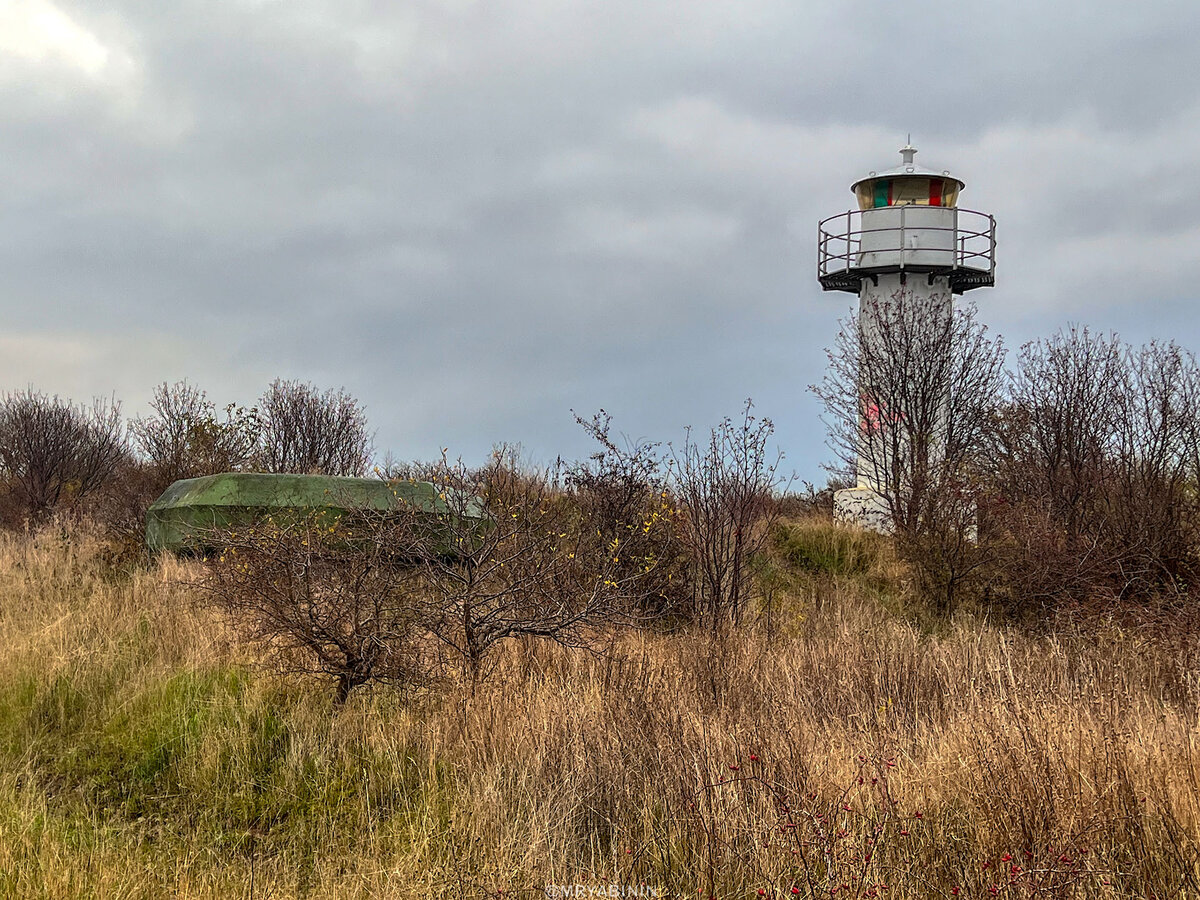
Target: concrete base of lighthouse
pixel 863 507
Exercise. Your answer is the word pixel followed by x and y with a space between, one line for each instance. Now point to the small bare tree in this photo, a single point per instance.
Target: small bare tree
pixel 306 431
pixel 1152 501
pixel 52 450
pixel 533 567
pixel 187 438
pixel 910 396
pixel 1066 394
pixel 725 488
pixel 327 596
pixel 1097 465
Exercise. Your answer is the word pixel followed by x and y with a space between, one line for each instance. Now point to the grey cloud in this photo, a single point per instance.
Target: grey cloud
pixel 477 216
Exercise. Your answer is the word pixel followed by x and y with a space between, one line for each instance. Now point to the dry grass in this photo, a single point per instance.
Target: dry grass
pixel 142 756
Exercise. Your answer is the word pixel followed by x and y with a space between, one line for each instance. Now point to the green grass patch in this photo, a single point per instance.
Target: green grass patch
pixel 823 548
pixel 217 759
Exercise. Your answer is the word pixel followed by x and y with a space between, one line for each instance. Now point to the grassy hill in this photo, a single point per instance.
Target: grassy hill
pixel 842 747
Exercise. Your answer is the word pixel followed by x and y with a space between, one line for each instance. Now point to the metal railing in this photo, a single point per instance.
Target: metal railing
pixel 971 250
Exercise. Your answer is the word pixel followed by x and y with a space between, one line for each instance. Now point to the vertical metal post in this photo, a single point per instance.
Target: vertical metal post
pixel 849 239
pixel 992 248
pixel 956 241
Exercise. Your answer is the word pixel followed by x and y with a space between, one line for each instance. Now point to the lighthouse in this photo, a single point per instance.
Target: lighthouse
pixel 906 251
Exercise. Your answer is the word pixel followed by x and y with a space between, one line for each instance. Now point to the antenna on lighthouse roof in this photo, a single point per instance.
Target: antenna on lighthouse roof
pixel 908 151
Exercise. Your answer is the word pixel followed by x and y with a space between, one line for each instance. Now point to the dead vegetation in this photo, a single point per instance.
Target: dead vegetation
pixel 147 755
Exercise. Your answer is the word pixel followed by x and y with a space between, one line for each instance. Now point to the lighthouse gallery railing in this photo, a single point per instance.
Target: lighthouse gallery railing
pixel 840 263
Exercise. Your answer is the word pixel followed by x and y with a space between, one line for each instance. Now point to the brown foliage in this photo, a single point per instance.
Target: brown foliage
pixel 539 567
pixel 335 597
pixel 53 451
pixel 187 438
pixel 1096 471
pixel 307 431
pixel 725 489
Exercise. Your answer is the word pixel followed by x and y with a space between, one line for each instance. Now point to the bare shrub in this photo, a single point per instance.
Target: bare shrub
pixel 910 396
pixel 1152 498
pixel 725 488
pixel 403 594
pixel 53 451
pixel 537 567
pixel 324 596
pixel 807 499
pixel 1066 395
pixel 307 431
pixel 1097 465
pixel 1055 440
pixel 186 437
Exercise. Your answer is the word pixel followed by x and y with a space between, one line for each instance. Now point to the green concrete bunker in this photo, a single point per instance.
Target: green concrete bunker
pixel 191 510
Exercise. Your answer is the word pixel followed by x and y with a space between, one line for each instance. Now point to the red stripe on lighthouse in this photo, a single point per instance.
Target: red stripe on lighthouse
pixel 935 192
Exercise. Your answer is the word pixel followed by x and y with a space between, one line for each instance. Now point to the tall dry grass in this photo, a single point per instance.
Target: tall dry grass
pixel 851 752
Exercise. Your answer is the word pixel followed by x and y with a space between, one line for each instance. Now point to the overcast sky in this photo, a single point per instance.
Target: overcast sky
pixel 478 216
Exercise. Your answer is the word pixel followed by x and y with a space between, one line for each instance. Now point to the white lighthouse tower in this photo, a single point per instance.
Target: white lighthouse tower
pixel 908 239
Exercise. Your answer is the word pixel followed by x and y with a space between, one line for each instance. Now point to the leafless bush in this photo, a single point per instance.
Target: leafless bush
pixel 725 489
pixel 1153 501
pixel 1097 470
pixel 1066 393
pixel 334 597
pixel 910 393
pixel 537 567
pixel 53 451
pixel 806 499
pixel 186 437
pixel 436 582
pixel 306 431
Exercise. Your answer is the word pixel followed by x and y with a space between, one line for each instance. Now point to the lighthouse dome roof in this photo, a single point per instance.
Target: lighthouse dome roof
pixel 908 169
